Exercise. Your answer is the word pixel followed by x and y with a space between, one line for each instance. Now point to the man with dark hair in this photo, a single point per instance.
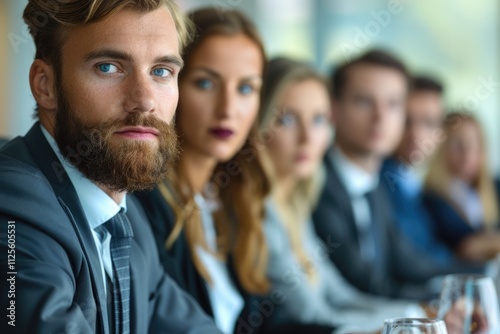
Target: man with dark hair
pixel 424 115
pixel 81 255
pixel 374 57
pixel 402 173
pixel 368 105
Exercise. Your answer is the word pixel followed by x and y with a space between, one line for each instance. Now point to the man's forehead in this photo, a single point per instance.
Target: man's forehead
pixel 374 71
pixel 127 30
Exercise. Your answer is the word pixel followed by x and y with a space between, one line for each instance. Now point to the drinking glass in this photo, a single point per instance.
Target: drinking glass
pixel 414 326
pixel 469 304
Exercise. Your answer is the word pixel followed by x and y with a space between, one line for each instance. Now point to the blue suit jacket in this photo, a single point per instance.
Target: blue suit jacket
pixel 3 141
pixel 451 226
pixel 59 285
pixel 412 217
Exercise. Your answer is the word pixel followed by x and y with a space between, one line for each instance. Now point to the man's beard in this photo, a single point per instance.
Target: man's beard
pixel 117 164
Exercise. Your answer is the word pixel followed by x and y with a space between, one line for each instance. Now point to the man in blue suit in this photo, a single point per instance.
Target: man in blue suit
pixel 105 82
pixel 401 174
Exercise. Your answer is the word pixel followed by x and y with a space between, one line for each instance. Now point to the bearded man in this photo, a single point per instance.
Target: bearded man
pixel 81 257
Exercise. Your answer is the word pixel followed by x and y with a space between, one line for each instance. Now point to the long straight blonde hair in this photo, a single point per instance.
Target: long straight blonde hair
pixel 281 74
pixel 238 222
pixel 438 179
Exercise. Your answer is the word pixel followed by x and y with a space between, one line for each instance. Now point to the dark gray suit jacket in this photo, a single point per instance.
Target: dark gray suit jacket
pixel 3 141
pixel 59 285
pixel 399 271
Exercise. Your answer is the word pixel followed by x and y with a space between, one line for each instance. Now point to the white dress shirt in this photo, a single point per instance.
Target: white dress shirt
pixel 97 206
pixel 225 299
pixel 355 179
pixel 357 183
pixel 469 201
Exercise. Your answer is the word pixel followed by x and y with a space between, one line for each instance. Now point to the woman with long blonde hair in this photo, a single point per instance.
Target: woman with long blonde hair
pixel 294 134
pixel 461 193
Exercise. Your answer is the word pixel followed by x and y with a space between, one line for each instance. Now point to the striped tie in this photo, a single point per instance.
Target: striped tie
pixel 121 235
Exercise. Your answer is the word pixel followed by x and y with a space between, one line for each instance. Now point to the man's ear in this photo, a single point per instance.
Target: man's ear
pixel 42 83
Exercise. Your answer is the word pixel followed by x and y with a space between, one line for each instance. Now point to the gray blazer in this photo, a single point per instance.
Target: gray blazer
pixel 3 141
pixel 329 299
pixel 59 287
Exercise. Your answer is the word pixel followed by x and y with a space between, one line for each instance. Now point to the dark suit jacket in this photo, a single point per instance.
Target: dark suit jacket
pixel 399 270
pixel 3 141
pixel 59 284
pixel 260 313
pixel 416 222
pixel 451 226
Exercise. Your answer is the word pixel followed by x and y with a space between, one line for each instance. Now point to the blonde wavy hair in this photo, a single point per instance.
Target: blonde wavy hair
pixel 438 179
pixel 282 73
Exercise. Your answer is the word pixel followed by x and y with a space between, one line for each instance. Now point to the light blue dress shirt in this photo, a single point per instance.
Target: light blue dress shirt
pixel 97 206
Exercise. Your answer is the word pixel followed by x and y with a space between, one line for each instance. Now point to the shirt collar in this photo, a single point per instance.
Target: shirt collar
pixel 356 180
pixel 97 205
pixel 408 178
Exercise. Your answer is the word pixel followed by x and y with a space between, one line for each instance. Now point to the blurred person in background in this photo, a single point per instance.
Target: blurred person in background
pixel 461 193
pixel 368 103
pixel 208 214
pixel 402 174
pixel 295 131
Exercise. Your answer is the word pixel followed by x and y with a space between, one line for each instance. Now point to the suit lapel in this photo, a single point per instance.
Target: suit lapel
pixel 53 170
pixel 381 217
pixel 339 193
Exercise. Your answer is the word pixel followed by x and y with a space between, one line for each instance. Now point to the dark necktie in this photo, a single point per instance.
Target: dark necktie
pixel 372 236
pixel 367 233
pixel 121 236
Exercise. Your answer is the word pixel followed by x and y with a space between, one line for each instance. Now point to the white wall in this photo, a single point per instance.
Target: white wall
pixel 3 69
pixel 18 108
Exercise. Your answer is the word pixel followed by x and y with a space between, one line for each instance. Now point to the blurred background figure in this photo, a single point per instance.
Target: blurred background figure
pixel 294 133
pixel 295 124
pixel 368 102
pixel 403 173
pixel 461 193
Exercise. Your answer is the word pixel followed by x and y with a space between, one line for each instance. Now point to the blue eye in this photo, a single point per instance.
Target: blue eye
pixel 204 84
pixel 107 68
pixel 161 72
pixel 287 120
pixel 245 89
pixel 319 119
